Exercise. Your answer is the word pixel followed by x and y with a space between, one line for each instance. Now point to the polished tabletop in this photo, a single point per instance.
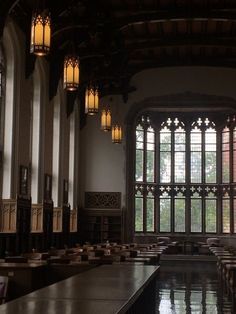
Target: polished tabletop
pixel 106 289
pixel 22 265
pixel 35 306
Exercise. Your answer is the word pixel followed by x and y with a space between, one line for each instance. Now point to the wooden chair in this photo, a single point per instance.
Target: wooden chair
pixel 32 256
pixel 3 289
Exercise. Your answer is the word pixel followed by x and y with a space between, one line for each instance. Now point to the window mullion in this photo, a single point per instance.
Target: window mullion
pixel 145 179
pixel 145 155
pixel 219 181
pixel 172 179
pixel 231 148
pixel 158 177
pixel 203 181
pixel 188 181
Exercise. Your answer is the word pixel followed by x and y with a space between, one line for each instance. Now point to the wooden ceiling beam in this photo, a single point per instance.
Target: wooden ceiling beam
pixel 193 40
pixel 65 22
pixel 161 16
pixel 193 61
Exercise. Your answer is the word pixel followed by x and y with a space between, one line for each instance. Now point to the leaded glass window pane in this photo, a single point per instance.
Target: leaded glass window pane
pixel 210 167
pixel 226 215
pixel 150 213
pixel 196 214
pixel 179 214
pixel 210 156
pixel 179 158
pixel 165 167
pixel 165 213
pixel 138 213
pixel 196 155
pixel 139 153
pixel 139 165
pixel 210 217
pixel 165 155
pixel 225 155
pixel 150 166
pixel 150 155
pixel 196 167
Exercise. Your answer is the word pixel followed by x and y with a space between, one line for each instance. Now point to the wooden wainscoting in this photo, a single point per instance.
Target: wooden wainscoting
pixel 8 216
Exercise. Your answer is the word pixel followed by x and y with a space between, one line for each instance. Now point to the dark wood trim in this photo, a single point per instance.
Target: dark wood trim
pixel 23 180
pixel 103 200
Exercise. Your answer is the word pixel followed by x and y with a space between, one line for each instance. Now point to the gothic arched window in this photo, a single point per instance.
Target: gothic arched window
pixel 183 170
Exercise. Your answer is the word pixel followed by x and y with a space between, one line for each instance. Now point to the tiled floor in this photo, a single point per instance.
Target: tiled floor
pixel 191 287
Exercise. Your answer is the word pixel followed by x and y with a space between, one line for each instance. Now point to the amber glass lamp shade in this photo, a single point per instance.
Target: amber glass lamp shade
pixel 40 34
pixel 71 73
pixel 116 134
pixel 106 120
pixel 91 100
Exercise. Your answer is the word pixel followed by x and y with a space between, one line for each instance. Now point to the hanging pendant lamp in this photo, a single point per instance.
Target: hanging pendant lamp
pixel 40 33
pixel 116 134
pixel 106 120
pixel 71 73
pixel 91 99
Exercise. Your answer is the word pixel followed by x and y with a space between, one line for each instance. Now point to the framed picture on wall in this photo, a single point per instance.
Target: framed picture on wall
pixel 23 180
pixel 65 191
pixel 48 187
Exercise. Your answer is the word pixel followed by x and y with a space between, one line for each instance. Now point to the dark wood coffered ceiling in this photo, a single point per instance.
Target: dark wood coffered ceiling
pixel 117 38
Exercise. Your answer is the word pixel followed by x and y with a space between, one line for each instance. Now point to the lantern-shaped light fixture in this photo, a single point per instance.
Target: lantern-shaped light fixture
pixel 91 99
pixel 116 134
pixel 71 73
pixel 40 33
pixel 106 120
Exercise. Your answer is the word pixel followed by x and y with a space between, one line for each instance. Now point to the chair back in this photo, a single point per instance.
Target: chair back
pixel 3 288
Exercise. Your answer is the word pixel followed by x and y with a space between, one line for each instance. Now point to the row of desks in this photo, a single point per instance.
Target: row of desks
pixel 226 264
pixel 27 277
pixel 105 289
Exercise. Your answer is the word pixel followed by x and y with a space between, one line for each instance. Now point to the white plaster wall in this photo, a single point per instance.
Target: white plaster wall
pixel 102 164
pixel 164 81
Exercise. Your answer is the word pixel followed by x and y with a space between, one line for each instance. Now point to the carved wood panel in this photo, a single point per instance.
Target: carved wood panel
pixel 8 216
pixel 109 200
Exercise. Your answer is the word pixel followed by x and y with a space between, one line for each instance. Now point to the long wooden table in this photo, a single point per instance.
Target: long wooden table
pixel 106 289
pixel 23 277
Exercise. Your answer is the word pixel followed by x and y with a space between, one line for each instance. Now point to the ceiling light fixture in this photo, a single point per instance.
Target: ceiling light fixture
pixel 40 33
